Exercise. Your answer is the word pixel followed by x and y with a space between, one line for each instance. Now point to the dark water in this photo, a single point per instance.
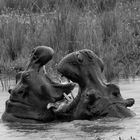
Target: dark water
pixel 107 129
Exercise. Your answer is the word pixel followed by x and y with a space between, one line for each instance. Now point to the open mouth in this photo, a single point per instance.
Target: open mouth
pixel 66 99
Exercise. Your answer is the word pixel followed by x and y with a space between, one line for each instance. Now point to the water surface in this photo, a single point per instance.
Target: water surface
pixel 105 129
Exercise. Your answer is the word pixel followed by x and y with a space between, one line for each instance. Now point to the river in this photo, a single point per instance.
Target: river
pixel 101 129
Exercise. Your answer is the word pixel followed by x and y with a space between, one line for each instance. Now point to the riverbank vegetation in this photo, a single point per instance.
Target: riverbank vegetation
pixel 111 28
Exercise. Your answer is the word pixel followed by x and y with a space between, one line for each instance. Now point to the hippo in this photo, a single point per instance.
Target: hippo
pixel 95 98
pixel 33 91
pixel 35 99
pixel 41 55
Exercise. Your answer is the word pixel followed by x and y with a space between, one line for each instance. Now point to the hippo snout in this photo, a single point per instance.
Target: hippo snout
pixel 129 102
pixel 16 91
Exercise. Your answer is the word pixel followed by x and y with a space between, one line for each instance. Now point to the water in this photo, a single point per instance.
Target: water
pixel 105 129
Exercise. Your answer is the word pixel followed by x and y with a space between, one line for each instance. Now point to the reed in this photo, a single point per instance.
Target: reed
pixel 110 28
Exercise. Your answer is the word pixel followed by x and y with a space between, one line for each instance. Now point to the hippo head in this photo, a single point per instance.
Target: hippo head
pixel 33 91
pixel 29 98
pixel 96 99
pixel 40 56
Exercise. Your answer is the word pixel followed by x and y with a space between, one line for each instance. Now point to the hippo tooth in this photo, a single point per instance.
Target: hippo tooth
pixel 72 96
pixel 50 105
pixel 67 97
pixel 44 69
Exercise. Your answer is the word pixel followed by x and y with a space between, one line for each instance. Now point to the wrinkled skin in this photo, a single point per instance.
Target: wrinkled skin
pixel 35 98
pixel 29 98
pixel 95 98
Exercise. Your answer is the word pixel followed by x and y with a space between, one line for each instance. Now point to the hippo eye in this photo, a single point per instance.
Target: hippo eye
pixel 80 58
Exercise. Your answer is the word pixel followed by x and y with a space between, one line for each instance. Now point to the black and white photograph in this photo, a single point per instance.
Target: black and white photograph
pixel 70 69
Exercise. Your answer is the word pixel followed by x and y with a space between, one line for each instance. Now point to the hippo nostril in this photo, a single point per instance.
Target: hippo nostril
pixel 130 102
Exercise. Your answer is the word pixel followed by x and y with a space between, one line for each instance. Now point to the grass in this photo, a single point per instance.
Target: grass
pixel 110 28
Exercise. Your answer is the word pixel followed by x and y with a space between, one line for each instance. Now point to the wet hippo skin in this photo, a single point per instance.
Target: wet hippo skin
pixel 95 98
pixel 33 91
pixel 36 98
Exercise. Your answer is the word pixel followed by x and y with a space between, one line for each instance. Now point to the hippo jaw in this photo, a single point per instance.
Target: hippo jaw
pixel 28 100
pixel 85 68
pixel 80 70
